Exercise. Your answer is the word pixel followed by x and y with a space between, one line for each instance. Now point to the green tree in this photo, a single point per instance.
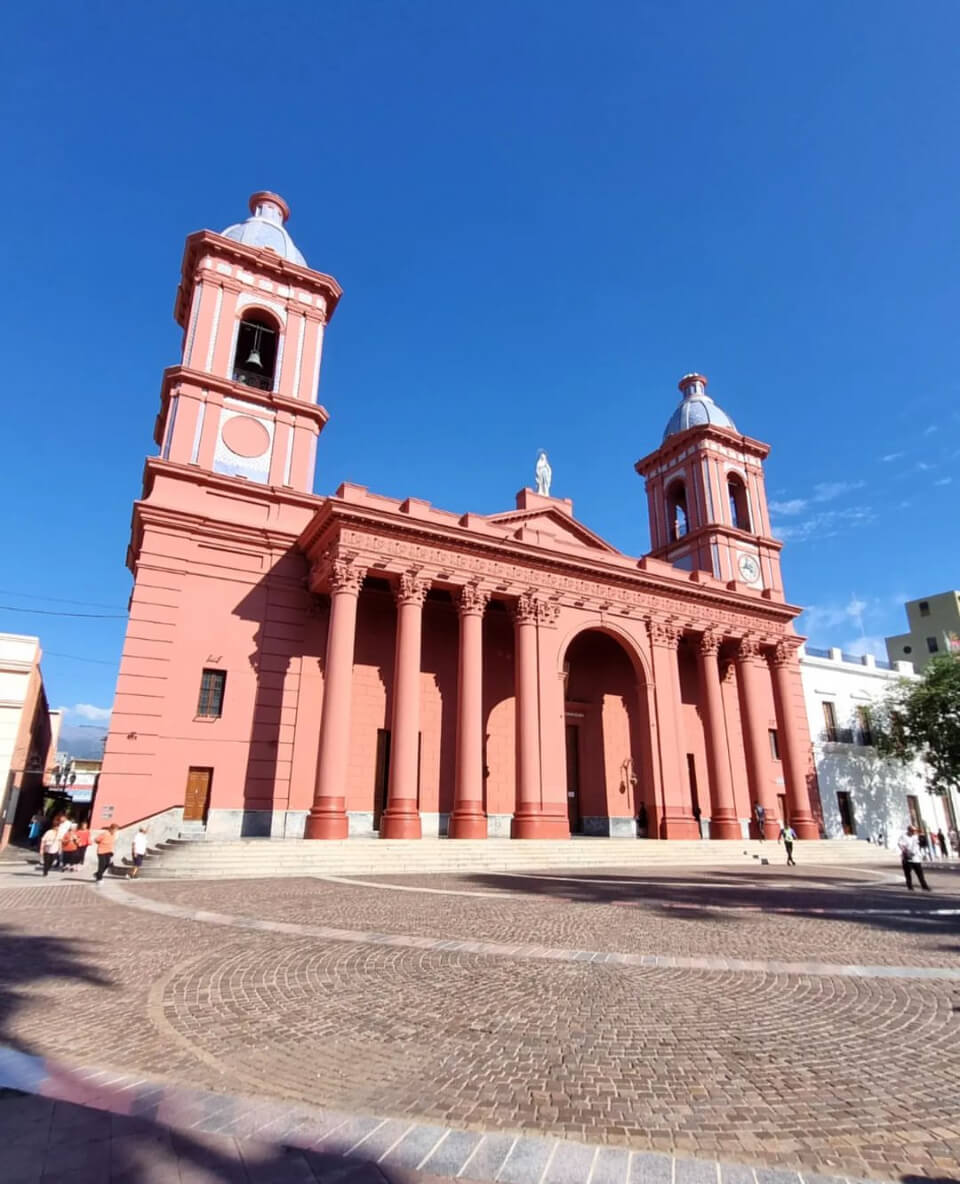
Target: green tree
pixel 921 717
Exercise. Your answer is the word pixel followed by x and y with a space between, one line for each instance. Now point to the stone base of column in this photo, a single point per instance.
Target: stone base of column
pixel 328 821
pixel 725 828
pixel 530 824
pixel 401 820
pixel 468 821
pixel 677 826
pixel 806 828
pixel 771 828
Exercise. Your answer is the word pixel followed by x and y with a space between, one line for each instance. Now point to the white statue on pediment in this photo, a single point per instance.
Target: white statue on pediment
pixel 544 474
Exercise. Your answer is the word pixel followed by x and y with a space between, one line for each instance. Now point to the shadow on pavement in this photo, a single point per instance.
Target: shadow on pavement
pixel 45 1140
pixel 26 961
pixel 775 892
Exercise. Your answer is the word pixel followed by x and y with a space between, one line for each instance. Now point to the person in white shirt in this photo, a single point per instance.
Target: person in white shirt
pixel 909 846
pixel 49 848
pixel 139 850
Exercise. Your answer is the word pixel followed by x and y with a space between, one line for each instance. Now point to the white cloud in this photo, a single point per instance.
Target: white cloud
pixel 826 491
pixel 794 505
pixel 891 456
pixel 944 481
pixel 824 524
pixel 928 431
pixel 817 617
pixel 866 644
pixel 87 711
pixel 923 467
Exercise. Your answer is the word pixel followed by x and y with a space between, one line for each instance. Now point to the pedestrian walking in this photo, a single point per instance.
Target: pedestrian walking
pixel 106 842
pixel 83 842
pixel 788 836
pixel 139 850
pixel 911 859
pixel 62 822
pixel 924 844
pixel 36 829
pixel 942 840
pixel 760 813
pixel 69 848
pixel 49 849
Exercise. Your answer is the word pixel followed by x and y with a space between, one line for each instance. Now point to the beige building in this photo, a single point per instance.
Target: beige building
pixel 28 730
pixel 934 629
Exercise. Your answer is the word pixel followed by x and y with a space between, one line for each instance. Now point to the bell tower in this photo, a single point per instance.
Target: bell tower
pixel 706 496
pixel 243 400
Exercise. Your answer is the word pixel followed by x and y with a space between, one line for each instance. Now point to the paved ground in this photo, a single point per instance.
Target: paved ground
pixel 806 1020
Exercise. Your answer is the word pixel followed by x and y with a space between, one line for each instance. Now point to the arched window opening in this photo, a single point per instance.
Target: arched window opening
pixel 255 359
pixel 677 523
pixel 739 509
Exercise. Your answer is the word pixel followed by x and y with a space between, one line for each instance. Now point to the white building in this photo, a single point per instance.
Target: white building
pixel 27 727
pixel 863 795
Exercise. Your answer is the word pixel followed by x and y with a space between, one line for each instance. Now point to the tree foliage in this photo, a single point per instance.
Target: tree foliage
pixel 921 718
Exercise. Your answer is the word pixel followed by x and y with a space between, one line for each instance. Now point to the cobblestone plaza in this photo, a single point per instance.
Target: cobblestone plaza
pixel 791 1021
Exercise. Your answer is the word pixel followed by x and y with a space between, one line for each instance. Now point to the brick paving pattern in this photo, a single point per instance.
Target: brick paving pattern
pixel 775 1070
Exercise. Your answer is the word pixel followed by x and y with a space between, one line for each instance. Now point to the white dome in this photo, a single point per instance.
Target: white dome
pixel 265 228
pixel 696 409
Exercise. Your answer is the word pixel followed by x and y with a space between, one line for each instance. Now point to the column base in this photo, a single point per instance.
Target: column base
pixel 806 828
pixel 679 827
pixel 725 828
pixel 467 822
pixel 328 821
pixel 401 821
pixel 771 828
pixel 540 826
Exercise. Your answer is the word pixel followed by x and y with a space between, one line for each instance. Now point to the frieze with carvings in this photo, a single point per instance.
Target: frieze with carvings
pixel 498 572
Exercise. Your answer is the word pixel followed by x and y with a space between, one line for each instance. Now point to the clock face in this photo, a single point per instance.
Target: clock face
pixel 749 569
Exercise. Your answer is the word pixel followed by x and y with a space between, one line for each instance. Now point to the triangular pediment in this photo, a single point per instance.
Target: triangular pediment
pixel 548 528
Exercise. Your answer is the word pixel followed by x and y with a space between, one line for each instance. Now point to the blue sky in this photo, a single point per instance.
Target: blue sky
pixel 542 214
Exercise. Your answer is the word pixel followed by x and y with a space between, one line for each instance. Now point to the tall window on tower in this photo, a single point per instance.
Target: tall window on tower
pixel 677 525
pixel 255 361
pixel 739 508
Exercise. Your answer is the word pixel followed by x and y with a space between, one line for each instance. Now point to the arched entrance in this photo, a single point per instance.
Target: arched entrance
pixel 607 750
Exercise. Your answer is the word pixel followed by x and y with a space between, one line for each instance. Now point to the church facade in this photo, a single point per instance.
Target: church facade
pixel 318 667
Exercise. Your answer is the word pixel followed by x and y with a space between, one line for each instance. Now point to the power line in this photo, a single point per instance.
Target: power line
pixel 56 599
pixel 78 658
pixel 52 612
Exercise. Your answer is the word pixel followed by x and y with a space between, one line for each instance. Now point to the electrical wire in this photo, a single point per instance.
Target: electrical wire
pixel 57 599
pixel 52 612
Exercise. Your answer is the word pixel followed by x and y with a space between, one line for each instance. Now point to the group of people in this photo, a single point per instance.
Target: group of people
pixel 62 844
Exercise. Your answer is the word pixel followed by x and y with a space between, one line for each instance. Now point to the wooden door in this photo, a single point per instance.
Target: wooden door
pixel 197 797
pixel 573 777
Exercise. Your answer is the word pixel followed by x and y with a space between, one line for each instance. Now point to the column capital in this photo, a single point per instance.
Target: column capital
pixel 784 652
pixel 345 575
pixel 748 648
pixel 472 600
pixel 412 588
pixel 709 643
pixel 665 633
pixel 524 609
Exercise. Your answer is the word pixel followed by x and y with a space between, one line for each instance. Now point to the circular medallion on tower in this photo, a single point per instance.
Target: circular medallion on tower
pixel 245 436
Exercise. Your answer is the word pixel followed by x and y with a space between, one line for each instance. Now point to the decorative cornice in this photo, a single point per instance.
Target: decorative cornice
pixel 501 562
pixel 412 588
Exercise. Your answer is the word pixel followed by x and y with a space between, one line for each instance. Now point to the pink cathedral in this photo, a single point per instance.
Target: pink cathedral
pixel 318 667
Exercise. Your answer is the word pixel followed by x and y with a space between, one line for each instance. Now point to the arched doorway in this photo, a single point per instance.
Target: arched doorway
pixel 609 790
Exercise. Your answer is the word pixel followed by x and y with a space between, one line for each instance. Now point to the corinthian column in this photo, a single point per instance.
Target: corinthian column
pixel 794 738
pixel 401 818
pixel 676 811
pixel 755 737
pixel 723 820
pixel 468 820
pixel 327 818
